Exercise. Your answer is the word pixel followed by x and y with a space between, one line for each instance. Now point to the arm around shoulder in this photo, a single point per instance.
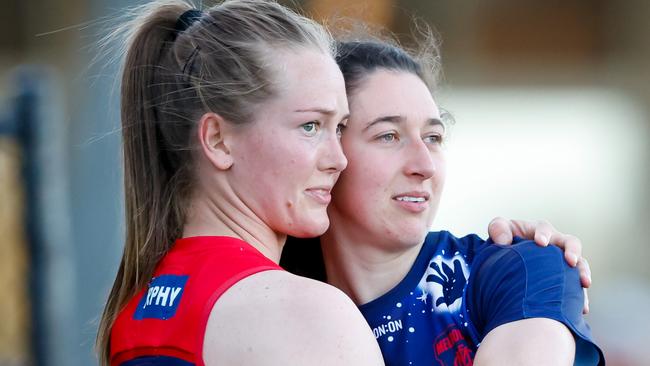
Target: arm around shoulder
pixel 276 318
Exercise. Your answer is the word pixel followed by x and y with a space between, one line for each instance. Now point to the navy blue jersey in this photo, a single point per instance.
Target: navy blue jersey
pixel 438 314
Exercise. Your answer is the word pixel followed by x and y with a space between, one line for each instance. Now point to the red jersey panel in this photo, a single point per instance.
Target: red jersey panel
pixel 169 317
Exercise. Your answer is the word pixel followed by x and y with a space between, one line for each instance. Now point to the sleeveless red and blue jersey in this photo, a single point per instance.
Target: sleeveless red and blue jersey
pixel 165 323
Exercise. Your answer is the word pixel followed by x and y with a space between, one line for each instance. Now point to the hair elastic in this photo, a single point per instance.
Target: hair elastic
pixel 184 21
pixel 187 19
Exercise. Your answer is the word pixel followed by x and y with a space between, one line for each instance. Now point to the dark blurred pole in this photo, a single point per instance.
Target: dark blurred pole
pixel 26 117
pixel 20 125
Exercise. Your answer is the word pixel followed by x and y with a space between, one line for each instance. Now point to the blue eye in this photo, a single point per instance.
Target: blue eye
pixel 433 139
pixel 388 137
pixel 310 128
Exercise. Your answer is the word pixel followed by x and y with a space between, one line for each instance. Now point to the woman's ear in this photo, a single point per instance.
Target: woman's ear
pixel 215 134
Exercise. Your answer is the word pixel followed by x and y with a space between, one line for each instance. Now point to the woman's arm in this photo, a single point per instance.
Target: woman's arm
pixel 525 304
pixel 536 341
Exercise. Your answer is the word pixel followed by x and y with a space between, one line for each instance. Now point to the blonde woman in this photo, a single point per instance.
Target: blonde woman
pixel 231 119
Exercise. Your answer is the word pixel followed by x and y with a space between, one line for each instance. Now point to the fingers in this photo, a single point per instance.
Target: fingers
pixel 500 231
pixel 585 280
pixel 539 231
pixel 571 245
pixel 543 232
pixel 585 272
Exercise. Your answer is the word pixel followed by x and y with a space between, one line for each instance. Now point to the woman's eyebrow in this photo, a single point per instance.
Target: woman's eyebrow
pixel 325 111
pixel 434 122
pixel 321 110
pixel 392 119
pixel 398 119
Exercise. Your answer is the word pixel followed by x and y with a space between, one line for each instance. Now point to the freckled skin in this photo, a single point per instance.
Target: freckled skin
pixel 286 159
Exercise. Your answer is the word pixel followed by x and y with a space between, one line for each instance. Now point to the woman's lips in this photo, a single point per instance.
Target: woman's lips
pixel 320 195
pixel 415 202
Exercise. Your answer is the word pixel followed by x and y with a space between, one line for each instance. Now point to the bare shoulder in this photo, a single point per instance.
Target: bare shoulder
pixel 274 318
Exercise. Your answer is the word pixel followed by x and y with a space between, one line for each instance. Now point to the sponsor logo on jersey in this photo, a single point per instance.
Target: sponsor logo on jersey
pixel 388 327
pixel 162 298
pixel 451 349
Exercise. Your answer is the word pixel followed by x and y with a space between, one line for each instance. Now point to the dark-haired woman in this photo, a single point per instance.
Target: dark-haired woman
pixel 431 298
pixel 231 121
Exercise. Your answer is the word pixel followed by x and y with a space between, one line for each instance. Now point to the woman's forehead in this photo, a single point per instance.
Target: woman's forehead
pixel 386 93
pixel 308 80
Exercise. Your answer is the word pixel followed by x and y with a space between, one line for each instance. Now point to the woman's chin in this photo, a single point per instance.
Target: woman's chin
pixel 410 235
pixel 310 228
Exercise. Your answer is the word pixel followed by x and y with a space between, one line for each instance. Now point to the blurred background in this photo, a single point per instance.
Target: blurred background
pixel 552 122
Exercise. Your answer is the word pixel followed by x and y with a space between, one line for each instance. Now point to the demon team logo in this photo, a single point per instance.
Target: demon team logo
pixel 451 348
pixel 445 281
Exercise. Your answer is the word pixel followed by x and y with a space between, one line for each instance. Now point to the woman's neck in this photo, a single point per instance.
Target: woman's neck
pixel 361 268
pixel 212 216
